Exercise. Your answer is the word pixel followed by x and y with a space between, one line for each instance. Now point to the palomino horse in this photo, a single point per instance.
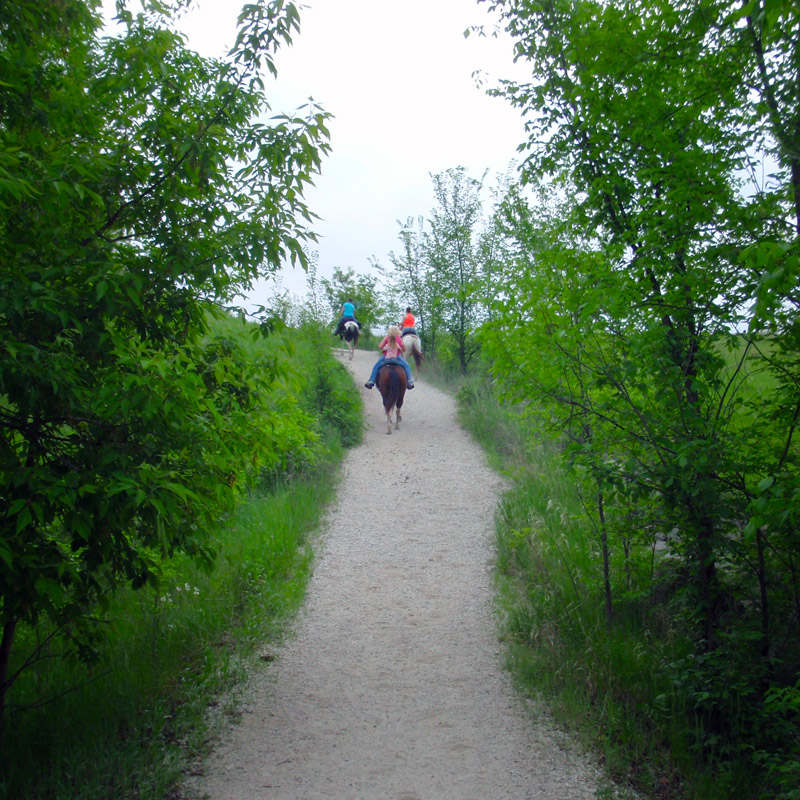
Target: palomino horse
pixel 349 336
pixel 392 386
pixel 413 347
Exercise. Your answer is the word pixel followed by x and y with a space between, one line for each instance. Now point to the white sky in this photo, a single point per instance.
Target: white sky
pixel 397 76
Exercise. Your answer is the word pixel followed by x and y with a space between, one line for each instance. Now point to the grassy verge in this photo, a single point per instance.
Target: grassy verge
pixel 131 724
pixel 175 655
pixel 549 595
pixel 625 689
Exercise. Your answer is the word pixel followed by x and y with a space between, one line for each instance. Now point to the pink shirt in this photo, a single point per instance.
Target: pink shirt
pixel 389 350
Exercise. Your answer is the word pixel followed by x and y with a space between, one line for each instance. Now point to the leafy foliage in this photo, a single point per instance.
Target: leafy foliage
pixel 139 188
pixel 346 284
pixel 445 267
pixel 451 252
pixel 634 312
pixel 407 278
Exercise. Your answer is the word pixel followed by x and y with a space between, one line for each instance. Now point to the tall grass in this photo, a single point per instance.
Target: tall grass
pixel 129 725
pixel 613 685
pixel 175 655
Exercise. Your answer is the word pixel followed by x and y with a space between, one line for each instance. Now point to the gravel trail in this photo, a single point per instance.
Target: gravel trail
pixel 392 686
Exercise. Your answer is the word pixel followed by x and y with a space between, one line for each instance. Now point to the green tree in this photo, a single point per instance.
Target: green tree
pixel 645 114
pixel 769 35
pixel 139 187
pixel 347 283
pixel 444 269
pixel 656 169
pixel 547 331
pixel 409 280
pixel 493 244
pixel 453 255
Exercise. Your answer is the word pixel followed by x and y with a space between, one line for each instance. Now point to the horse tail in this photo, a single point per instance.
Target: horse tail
pixel 412 346
pixel 399 384
pixel 394 389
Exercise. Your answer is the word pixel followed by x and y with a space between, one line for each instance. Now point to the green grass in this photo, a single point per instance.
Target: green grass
pixel 175 656
pixel 550 594
pixel 613 688
pixel 130 725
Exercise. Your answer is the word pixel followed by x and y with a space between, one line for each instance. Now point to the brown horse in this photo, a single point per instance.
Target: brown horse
pixel 392 386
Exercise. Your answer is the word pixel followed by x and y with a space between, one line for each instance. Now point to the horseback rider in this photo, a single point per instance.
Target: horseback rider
pixel 348 314
pixel 409 323
pixel 392 348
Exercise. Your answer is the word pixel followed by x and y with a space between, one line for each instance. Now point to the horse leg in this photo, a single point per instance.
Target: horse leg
pixel 389 422
pixel 398 420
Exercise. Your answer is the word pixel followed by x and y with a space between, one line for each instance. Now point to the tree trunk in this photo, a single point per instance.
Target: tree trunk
pixel 606 565
pixel 708 586
pixel 5 655
pixel 762 586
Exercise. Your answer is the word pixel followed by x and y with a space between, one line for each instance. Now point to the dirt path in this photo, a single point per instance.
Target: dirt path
pixel 392 687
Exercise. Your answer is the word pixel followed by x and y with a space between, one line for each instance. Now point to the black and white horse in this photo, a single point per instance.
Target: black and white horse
pixel 349 336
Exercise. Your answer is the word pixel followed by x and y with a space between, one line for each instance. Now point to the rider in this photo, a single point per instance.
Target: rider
pixel 409 323
pixel 392 347
pixel 348 312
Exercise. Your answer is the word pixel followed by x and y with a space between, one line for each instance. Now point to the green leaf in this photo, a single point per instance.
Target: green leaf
pixel 765 484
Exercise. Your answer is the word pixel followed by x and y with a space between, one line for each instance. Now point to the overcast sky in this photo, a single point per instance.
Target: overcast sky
pixel 398 78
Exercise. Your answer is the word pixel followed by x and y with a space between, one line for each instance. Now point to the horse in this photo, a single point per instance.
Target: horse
pixel 413 346
pixel 392 386
pixel 349 336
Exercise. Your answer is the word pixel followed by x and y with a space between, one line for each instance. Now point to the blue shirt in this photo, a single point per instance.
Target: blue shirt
pixel 349 310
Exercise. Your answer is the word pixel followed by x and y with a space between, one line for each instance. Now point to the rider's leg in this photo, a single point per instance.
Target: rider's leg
pixel 373 376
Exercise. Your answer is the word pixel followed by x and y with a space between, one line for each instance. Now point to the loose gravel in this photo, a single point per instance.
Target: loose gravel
pixel 391 686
